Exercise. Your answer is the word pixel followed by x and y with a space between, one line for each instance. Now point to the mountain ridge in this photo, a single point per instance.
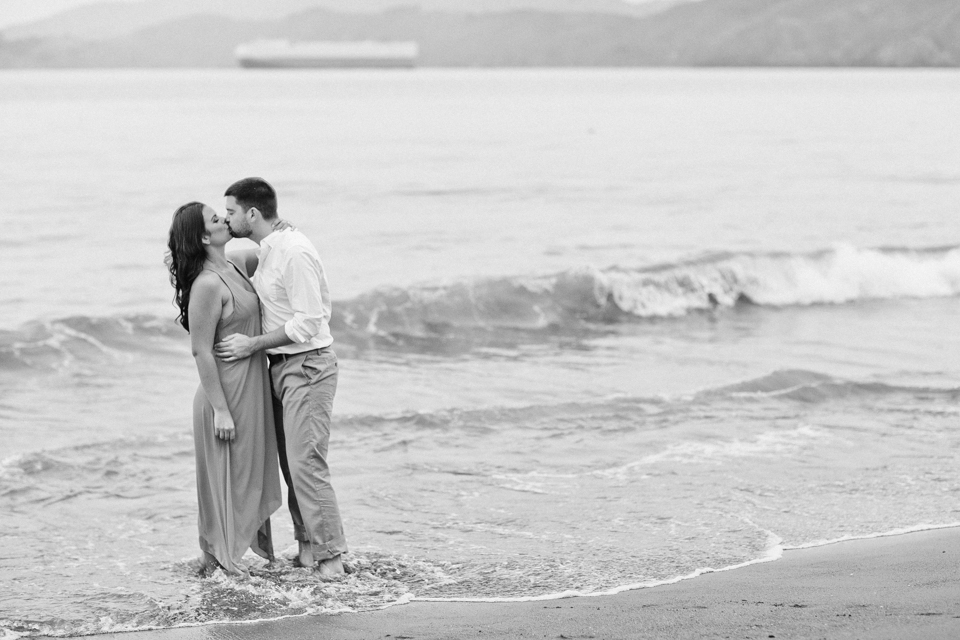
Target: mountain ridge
pixel 111 19
pixel 705 33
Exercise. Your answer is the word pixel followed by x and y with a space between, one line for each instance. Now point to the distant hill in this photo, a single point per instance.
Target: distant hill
pixel 808 33
pixel 706 33
pixel 106 20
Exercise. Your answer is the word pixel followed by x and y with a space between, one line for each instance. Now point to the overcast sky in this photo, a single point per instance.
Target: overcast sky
pixel 19 11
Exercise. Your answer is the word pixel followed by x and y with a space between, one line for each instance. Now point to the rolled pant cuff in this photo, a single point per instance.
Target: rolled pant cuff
pixel 330 549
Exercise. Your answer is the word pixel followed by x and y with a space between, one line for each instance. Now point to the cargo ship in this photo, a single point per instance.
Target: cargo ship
pixel 283 54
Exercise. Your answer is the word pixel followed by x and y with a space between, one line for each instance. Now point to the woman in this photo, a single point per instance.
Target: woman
pixel 238 484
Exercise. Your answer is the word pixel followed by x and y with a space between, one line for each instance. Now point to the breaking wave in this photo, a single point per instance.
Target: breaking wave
pixel 57 344
pixel 565 303
pixel 576 297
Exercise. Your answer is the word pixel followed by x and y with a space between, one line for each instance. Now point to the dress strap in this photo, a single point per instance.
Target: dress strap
pixel 226 280
pixel 243 275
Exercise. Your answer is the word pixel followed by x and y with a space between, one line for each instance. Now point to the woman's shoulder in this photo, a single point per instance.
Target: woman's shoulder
pixel 207 282
pixel 206 277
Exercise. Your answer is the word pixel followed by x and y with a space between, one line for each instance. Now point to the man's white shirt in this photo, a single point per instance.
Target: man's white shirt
pixel 293 291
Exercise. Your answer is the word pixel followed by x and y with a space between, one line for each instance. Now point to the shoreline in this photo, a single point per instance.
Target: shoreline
pixel 904 585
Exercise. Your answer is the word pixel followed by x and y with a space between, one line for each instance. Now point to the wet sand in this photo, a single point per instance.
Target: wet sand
pixel 905 586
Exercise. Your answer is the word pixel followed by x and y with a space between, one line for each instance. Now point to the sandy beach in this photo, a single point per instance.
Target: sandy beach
pixel 903 586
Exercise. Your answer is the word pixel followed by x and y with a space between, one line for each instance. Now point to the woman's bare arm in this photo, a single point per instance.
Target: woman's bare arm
pixel 206 304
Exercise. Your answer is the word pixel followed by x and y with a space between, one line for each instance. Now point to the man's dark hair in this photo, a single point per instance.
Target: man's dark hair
pixel 255 192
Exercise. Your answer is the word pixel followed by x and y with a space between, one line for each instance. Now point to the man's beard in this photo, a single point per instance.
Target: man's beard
pixel 235 234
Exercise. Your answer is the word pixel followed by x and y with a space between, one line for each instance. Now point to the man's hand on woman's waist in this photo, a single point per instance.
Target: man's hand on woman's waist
pixel 237 346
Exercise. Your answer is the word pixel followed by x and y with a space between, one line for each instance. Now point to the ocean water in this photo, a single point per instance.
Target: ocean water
pixel 598 329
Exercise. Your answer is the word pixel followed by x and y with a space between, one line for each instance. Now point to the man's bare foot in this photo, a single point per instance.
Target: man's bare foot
pixel 330 567
pixel 306 554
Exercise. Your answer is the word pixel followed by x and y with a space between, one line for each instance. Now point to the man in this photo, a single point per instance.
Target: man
pixel 295 303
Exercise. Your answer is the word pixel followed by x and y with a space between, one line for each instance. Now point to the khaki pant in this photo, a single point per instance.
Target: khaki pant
pixel 303 391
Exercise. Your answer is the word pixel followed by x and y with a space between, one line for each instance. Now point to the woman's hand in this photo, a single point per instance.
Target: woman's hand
pixel 283 225
pixel 223 426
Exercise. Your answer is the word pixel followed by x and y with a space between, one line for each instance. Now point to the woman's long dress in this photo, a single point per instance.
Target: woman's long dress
pixel 238 482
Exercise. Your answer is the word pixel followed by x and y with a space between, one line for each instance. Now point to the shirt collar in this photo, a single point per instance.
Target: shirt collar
pixel 273 239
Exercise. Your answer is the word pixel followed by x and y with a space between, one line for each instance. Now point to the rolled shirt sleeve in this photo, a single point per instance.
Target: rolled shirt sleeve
pixel 305 285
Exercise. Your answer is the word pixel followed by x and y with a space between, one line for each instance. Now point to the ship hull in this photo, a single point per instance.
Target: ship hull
pixel 326 63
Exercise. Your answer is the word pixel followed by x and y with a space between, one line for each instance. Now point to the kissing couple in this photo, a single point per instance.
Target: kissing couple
pixel 259 325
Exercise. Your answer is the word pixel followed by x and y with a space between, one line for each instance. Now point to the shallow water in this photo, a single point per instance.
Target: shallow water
pixel 598 329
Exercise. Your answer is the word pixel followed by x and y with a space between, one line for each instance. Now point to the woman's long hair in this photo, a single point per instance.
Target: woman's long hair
pixel 187 254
